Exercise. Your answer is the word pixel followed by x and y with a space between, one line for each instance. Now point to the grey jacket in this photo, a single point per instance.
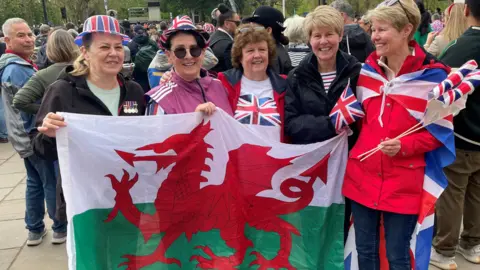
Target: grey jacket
pixel 14 73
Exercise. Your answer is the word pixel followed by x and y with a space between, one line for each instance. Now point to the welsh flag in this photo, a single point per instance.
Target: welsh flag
pixel 184 192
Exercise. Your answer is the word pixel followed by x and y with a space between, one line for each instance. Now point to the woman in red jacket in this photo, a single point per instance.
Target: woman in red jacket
pixel 389 184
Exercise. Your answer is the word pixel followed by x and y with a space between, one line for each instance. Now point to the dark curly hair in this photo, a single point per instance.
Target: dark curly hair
pixel 252 35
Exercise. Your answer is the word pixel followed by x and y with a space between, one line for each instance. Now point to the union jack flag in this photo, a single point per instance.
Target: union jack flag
pixel 411 91
pixel 102 24
pixel 347 110
pixel 257 111
pixel 182 22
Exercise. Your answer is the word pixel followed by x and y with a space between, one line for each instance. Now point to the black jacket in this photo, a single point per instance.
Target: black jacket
pixel 221 45
pixel 71 94
pixel 359 42
pixel 283 64
pixel 308 106
pixel 42 59
pixel 466 123
pixel 3 48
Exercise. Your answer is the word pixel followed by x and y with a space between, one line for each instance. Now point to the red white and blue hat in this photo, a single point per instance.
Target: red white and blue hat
pixel 182 23
pixel 101 24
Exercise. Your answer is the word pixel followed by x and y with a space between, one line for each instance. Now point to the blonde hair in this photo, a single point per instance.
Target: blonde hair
pixel 61 47
pixel 456 23
pixel 323 16
pixel 80 67
pixel 399 15
pixel 294 29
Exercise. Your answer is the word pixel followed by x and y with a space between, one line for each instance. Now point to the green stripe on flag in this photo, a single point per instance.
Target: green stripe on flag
pixel 101 245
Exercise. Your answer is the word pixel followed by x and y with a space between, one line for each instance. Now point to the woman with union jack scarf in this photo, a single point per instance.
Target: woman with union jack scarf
pixel 320 80
pixel 393 88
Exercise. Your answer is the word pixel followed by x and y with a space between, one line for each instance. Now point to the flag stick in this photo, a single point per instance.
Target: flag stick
pixel 398 137
pixel 406 133
pixel 371 154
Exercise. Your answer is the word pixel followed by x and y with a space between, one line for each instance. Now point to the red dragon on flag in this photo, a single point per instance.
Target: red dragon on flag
pixel 183 207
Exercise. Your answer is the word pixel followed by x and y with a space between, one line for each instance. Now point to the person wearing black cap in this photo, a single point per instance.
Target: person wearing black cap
pixel 272 19
pixel 222 39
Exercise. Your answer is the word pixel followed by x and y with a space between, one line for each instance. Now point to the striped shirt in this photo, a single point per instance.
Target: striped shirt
pixel 297 52
pixel 327 79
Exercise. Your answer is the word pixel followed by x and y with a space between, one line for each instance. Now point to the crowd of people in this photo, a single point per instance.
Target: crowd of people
pixel 298 67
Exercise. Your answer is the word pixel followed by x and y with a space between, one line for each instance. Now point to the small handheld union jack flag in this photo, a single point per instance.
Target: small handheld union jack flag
pixel 347 110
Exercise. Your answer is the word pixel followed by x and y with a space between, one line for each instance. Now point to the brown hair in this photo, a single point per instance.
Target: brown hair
pixel 80 67
pixel 251 34
pixel 61 47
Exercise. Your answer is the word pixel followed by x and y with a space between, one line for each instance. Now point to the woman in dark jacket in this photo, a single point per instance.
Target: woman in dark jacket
pixel 93 85
pixel 317 83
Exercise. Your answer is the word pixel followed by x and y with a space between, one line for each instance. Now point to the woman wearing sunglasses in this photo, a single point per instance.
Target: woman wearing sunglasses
pixel 256 92
pixel 395 81
pixel 189 89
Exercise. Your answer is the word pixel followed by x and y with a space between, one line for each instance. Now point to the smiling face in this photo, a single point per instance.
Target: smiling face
pixel 189 66
pixel 105 55
pixel 387 39
pixel 20 40
pixel 255 57
pixel 325 42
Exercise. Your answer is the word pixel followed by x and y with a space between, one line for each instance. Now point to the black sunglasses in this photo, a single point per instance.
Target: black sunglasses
pixel 236 22
pixel 182 52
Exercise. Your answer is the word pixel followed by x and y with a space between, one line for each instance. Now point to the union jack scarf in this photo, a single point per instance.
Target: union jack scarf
pixel 411 91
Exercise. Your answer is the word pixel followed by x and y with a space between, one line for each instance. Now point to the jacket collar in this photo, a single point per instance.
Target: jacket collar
pixel 311 67
pixel 279 84
pixel 225 31
pixel 80 84
pixel 416 61
pixel 204 81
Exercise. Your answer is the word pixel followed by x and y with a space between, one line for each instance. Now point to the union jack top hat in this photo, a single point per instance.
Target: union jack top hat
pixel 182 23
pixel 101 24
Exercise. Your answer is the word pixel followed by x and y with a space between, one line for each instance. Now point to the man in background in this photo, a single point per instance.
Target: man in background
pixel 42 38
pixel 461 199
pixel 355 40
pixel 16 69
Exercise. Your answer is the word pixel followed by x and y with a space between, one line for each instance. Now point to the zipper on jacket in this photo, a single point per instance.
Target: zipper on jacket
pixel 203 91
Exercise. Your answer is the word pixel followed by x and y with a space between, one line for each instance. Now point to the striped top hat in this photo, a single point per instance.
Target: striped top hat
pixel 182 23
pixel 101 24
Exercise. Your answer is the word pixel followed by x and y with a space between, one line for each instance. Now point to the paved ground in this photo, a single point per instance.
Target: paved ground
pixel 14 254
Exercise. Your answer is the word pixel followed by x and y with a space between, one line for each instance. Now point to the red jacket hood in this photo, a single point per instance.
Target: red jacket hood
pixel 418 60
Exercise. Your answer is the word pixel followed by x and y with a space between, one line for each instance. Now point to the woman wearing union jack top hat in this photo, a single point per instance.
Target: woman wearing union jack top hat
pixel 393 183
pixel 92 85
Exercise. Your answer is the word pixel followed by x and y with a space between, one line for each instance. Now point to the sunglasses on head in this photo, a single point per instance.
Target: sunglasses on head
pixel 248 29
pixel 389 3
pixel 182 52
